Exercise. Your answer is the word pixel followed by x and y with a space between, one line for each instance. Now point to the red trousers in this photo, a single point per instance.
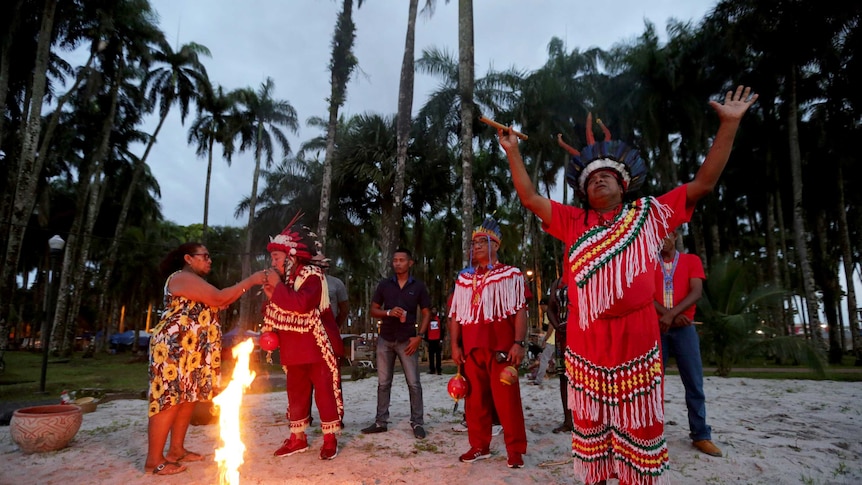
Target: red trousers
pixel 301 379
pixel 486 392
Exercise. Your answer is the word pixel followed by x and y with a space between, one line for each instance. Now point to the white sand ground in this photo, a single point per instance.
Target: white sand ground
pixel 771 431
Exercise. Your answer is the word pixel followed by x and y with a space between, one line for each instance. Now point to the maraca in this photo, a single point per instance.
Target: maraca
pixel 509 375
pixel 458 388
pixel 268 341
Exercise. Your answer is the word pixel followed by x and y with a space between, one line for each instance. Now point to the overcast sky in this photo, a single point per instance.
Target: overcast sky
pixel 289 41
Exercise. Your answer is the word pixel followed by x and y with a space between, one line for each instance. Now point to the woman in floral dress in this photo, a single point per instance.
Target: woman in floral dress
pixel 185 353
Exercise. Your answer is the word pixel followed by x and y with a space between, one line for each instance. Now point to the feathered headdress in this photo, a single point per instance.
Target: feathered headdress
pixel 608 155
pixel 295 240
pixel 489 228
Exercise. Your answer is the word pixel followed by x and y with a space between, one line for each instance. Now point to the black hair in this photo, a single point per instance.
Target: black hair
pixel 405 251
pixel 175 260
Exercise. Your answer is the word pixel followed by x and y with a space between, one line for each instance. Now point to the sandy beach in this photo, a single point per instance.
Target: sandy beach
pixel 771 432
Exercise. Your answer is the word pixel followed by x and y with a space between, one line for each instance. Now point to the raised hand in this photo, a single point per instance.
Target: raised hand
pixel 736 103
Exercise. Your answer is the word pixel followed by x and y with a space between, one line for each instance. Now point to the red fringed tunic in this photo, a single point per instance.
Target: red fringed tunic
pixel 613 360
pixel 299 311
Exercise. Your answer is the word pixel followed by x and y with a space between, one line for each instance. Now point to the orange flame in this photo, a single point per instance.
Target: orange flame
pixel 229 401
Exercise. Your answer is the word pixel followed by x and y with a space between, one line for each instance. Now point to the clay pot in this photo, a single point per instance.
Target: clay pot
pixel 45 428
pixel 509 375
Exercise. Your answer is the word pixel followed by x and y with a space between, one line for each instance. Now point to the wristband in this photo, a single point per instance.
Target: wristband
pixel 387 312
pixel 521 343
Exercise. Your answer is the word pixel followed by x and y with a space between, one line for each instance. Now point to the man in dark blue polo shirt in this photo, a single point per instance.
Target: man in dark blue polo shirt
pixel 396 301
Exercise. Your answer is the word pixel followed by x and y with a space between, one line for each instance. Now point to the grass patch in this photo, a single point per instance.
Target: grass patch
pixel 124 372
pixel 127 372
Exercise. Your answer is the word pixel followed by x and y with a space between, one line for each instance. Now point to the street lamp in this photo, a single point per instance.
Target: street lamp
pixel 56 244
pixel 532 310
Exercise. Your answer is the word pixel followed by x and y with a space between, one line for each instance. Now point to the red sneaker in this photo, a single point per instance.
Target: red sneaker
pixel 515 460
pixel 294 444
pixel 475 454
pixel 329 450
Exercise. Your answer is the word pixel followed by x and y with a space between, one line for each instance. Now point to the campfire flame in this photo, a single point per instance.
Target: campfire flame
pixel 229 457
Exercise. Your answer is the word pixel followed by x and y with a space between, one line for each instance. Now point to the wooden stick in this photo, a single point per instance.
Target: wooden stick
pixel 498 126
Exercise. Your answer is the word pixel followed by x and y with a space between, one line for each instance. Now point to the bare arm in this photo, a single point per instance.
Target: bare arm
pixel 516 353
pixel 413 346
pixel 530 198
pixel 729 114
pixel 674 317
pixel 455 340
pixel 195 288
pixel 554 307
pixel 342 314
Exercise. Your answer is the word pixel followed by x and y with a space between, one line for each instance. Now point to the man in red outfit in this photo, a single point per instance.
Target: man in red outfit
pixel 488 317
pixel 299 311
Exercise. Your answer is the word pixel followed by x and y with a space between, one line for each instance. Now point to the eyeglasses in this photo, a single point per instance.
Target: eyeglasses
pixel 479 242
pixel 206 256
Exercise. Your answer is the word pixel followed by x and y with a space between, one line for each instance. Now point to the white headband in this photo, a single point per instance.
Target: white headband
pixel 600 164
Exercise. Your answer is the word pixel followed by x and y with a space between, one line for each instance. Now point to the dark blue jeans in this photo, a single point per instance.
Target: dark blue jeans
pixel 683 344
pixel 386 353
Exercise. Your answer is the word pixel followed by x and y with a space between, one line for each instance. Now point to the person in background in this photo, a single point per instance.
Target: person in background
pixel 679 285
pixel 434 338
pixel 557 311
pixel 337 294
pixel 613 352
pixel 548 346
pixel 309 342
pixel 395 302
pixel 185 353
pixel 488 324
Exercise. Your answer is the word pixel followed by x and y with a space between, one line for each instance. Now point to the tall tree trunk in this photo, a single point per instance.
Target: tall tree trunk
pixel 5 62
pixel 799 232
pixel 341 65
pixel 466 79
pixel 140 164
pixel 29 170
pixel 847 260
pixel 210 144
pixel 97 195
pixel 389 233
pixel 830 288
pixel 245 309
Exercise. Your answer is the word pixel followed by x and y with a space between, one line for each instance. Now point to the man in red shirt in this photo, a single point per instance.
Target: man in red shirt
pixel 488 317
pixel 435 344
pixel 679 285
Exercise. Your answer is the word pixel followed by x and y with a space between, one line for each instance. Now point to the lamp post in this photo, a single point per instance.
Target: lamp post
pixel 56 244
pixel 533 311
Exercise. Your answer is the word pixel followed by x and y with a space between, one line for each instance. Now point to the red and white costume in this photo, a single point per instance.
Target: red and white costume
pixel 484 304
pixel 300 313
pixel 613 359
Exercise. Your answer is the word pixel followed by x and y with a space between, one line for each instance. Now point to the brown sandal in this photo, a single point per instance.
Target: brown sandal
pixel 168 468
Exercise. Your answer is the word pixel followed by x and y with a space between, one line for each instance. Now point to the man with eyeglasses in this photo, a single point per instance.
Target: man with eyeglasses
pixel 488 324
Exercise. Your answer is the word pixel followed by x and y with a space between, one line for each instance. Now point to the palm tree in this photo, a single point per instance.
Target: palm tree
pixel 178 81
pixel 210 127
pixel 30 167
pixel 259 123
pixel 466 81
pixel 731 309
pixel 341 65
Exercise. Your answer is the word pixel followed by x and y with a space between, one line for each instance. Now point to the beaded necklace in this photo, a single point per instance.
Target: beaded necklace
pixel 667 270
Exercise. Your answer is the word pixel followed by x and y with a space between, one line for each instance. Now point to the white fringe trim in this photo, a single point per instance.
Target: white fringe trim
pixel 501 295
pixel 641 253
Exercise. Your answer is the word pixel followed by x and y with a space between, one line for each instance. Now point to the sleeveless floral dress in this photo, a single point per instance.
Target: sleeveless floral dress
pixel 185 353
